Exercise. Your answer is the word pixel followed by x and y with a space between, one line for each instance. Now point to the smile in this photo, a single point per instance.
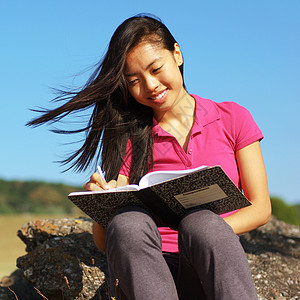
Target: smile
pixel 159 96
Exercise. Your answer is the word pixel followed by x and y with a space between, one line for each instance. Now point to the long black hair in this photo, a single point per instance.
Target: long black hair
pixel 116 116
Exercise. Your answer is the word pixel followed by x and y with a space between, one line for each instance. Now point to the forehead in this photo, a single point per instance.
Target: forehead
pixel 144 53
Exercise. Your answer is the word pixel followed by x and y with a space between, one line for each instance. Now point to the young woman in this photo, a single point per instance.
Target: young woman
pixel 145 120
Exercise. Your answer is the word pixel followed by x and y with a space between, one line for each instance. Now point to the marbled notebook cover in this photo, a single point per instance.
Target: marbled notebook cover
pixel 159 200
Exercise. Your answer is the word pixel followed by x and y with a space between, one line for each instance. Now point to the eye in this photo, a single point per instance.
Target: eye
pixel 156 69
pixel 132 82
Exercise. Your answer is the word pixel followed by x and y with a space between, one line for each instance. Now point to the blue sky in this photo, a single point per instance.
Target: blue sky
pixel 237 50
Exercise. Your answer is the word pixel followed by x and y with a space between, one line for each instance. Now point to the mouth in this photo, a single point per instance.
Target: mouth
pixel 159 96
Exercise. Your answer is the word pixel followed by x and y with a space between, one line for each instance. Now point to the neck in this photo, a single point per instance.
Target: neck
pixel 179 120
pixel 182 112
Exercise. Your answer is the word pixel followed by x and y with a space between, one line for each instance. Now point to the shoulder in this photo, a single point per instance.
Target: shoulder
pixel 226 111
pixel 233 119
pixel 235 114
pixel 230 107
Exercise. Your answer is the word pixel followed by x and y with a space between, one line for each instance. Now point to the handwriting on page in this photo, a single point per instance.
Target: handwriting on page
pixel 201 196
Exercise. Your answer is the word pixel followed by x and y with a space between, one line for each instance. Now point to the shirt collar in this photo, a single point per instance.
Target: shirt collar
pixel 206 112
pixel 157 130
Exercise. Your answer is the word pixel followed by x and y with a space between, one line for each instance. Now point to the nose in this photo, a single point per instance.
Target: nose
pixel 151 83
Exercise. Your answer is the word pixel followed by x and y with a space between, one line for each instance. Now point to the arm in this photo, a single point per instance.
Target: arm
pixel 254 183
pixel 97 183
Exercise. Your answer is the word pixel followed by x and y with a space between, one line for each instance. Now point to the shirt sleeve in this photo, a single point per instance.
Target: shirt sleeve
pixel 245 129
pixel 126 166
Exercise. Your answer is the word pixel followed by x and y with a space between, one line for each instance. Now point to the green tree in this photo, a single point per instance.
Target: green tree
pixel 35 197
pixel 284 212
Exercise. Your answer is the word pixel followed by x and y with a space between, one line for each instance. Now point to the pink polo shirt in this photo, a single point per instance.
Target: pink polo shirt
pixel 220 129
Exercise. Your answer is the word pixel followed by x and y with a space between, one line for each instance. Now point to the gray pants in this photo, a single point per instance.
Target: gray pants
pixel 212 263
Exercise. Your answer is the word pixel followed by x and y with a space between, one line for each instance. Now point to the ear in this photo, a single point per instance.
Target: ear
pixel 178 55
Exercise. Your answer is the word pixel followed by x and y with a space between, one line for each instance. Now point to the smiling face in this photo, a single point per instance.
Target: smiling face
pixel 153 76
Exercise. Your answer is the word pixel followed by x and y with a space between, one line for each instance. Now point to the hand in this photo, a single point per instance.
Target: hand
pixel 98 183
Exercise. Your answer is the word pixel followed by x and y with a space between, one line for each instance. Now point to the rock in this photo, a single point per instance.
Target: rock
pixel 273 253
pixel 63 263
pixel 16 286
pixel 36 232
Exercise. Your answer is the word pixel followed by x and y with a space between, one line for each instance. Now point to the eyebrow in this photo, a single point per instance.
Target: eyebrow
pixel 133 74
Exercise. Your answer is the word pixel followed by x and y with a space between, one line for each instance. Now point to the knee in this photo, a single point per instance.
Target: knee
pixel 204 220
pixel 204 228
pixel 129 227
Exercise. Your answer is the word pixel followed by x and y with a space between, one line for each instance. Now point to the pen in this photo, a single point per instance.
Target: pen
pixel 101 172
pixel 102 175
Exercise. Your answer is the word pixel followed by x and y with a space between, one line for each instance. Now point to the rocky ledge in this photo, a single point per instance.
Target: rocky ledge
pixel 63 263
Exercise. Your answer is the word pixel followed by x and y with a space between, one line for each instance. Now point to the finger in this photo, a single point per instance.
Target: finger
pixel 112 184
pixel 90 186
pixel 99 180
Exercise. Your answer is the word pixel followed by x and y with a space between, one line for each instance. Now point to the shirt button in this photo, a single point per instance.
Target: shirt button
pixel 190 151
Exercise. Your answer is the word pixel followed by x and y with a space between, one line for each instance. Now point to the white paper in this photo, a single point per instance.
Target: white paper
pixel 157 177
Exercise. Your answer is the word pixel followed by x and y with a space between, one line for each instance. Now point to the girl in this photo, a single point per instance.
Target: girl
pixel 145 120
